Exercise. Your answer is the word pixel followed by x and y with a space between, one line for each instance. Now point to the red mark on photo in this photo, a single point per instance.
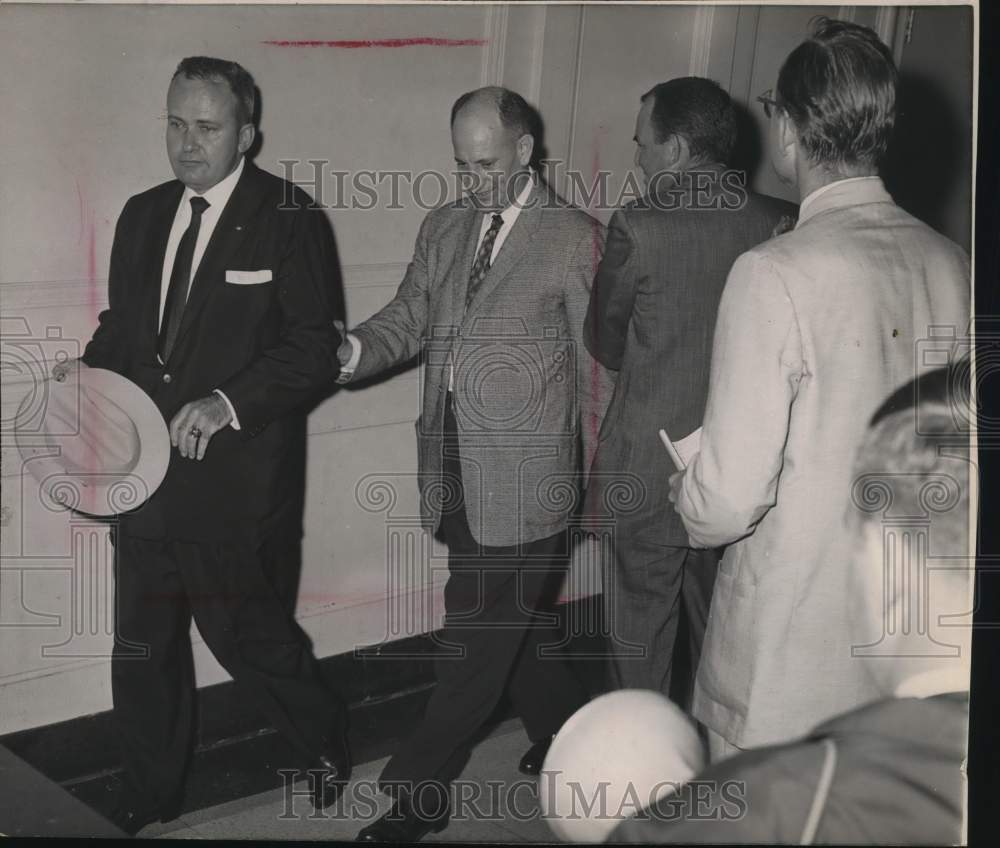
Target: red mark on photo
pixel 384 42
pixel 88 229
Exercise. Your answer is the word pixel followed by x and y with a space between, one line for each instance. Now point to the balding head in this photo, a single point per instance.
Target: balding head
pixel 492 132
pixel 512 110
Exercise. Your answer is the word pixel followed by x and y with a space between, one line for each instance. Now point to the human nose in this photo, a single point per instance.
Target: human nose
pixel 189 140
pixel 478 178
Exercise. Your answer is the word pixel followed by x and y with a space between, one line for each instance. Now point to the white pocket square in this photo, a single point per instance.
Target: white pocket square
pixel 249 278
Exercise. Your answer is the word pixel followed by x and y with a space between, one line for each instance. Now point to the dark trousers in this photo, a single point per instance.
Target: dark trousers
pixel 645 586
pixel 491 602
pixel 242 598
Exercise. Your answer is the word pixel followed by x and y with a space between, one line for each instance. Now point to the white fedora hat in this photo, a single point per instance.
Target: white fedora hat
pixel 615 756
pixel 97 445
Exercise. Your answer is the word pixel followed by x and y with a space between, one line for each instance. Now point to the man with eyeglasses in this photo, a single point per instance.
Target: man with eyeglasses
pixel 815 328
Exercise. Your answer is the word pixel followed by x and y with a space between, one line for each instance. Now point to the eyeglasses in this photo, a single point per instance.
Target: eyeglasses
pixel 768 102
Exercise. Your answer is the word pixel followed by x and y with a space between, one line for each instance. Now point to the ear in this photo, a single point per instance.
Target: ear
pixel 247 135
pixel 866 577
pixel 788 135
pixel 672 150
pixel 682 149
pixel 525 147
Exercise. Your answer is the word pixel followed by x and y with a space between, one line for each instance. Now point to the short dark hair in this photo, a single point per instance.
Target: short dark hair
pixel 839 89
pixel 697 109
pixel 239 79
pixel 515 113
pixel 918 441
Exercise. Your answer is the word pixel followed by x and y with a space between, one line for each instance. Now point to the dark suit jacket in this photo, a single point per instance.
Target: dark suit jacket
pixel 651 318
pixel 897 780
pixel 269 346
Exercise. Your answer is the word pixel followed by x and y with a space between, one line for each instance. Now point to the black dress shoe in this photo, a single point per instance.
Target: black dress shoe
pixel 404 823
pixel 533 759
pixel 329 776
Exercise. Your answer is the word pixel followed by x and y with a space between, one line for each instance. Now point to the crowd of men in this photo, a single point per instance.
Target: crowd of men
pixel 779 332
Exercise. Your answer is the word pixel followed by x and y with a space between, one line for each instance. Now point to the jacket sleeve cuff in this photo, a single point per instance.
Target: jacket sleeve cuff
pixel 235 423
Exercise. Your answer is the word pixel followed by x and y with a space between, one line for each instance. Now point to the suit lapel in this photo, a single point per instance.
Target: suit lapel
pixel 160 226
pixel 513 250
pixel 233 227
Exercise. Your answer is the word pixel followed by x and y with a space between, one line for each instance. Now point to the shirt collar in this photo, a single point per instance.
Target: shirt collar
pixel 846 192
pixel 510 213
pixel 219 194
pixel 936 681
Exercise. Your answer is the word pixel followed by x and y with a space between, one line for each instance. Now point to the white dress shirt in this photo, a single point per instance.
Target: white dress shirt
pixel 217 197
pixel 509 215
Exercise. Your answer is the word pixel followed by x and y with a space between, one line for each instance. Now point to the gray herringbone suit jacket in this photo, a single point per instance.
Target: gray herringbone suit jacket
pixel 652 317
pixel 524 387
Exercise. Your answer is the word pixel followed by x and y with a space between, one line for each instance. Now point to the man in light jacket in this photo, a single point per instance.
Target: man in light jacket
pixel 815 328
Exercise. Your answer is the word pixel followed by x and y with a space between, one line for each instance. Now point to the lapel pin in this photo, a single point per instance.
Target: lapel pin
pixel 239 226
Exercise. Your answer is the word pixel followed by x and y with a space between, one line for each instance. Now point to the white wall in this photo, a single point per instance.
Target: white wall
pixel 82 129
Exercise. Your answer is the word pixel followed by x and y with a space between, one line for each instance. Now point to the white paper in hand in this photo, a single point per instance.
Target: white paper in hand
pixel 683 451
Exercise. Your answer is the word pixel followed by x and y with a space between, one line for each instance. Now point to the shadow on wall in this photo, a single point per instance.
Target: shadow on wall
pixel 928 165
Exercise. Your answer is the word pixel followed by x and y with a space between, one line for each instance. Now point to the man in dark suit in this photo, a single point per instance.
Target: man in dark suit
pixel 223 290
pixel 494 300
pixel 651 318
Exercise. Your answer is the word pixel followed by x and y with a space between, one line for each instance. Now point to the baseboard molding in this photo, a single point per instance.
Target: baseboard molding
pixel 236 751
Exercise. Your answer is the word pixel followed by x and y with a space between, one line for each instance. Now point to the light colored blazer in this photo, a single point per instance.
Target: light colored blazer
pixel 525 388
pixel 816 328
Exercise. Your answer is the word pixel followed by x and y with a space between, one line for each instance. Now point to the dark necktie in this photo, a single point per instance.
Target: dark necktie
pixel 482 263
pixel 180 280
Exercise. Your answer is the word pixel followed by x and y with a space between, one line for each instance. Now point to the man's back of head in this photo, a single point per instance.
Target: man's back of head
pixel 839 89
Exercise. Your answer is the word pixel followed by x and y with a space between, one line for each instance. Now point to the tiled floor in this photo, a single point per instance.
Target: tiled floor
pixel 500 805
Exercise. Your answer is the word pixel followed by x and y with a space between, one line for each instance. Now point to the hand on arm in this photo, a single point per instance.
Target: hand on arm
pixel 304 357
pixel 348 353
pixel 394 334
pixel 61 370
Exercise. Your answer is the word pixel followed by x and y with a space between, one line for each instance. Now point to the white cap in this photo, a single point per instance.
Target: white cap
pixel 616 756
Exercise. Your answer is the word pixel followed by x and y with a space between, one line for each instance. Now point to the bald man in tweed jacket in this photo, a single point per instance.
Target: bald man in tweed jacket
pixel 494 301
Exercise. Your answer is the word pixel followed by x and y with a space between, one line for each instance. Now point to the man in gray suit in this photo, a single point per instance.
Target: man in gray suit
pixel 651 318
pixel 494 301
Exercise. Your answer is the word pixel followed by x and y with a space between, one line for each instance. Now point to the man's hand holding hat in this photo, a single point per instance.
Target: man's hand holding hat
pixel 193 427
pixel 62 369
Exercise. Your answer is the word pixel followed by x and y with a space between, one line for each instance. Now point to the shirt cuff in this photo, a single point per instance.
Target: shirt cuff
pixel 235 423
pixel 347 368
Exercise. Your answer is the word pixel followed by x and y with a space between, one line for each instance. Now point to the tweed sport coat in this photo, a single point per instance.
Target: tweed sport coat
pixel 526 393
pixel 816 329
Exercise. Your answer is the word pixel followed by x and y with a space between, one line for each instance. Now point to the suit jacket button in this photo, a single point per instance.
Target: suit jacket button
pixel 167 378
